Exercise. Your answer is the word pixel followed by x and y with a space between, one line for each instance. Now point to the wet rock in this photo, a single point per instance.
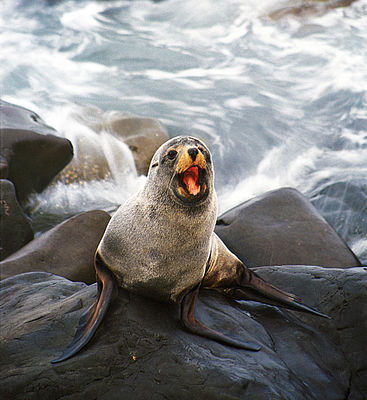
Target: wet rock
pixel 142 135
pixel 17 117
pixel 31 153
pixel 121 141
pixel 144 146
pixel 342 295
pixel 141 351
pixel 282 227
pixel 67 249
pixel 303 8
pixel 16 229
pixel 344 206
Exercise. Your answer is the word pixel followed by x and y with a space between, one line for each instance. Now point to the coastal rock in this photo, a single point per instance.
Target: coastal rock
pixel 142 135
pixel 116 132
pixel 282 227
pixel 31 153
pixel 16 230
pixel 67 249
pixel 141 351
pixel 344 206
pixel 308 8
pixel 144 146
pixel 20 118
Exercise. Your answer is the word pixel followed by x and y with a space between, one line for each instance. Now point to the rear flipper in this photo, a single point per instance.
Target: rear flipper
pixel 193 325
pixel 255 288
pixel 228 275
pixel 92 318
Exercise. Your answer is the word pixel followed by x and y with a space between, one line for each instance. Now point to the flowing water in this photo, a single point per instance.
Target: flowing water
pixel 280 102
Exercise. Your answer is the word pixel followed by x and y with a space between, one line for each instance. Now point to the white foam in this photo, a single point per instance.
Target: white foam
pixel 83 18
pixel 64 200
pixel 278 168
pixel 359 247
pixel 70 122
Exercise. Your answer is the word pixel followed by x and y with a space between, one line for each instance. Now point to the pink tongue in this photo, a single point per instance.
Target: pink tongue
pixel 190 180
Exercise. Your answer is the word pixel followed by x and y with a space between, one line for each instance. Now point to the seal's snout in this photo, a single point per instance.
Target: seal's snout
pixel 189 158
pixel 193 152
pixel 191 174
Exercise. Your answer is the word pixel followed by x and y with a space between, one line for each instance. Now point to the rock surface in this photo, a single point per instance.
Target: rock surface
pixel 31 153
pixel 282 227
pixel 100 158
pixel 16 230
pixel 143 136
pixel 67 249
pixel 308 8
pixel 344 206
pixel 17 117
pixel 141 350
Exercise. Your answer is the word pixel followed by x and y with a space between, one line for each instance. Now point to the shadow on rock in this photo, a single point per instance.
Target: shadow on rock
pixel 141 351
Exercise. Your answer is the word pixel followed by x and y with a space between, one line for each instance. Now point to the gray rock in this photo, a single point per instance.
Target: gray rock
pixel 141 350
pixel 31 153
pixel 344 206
pixel 16 230
pixel 17 117
pixel 282 227
pixel 67 249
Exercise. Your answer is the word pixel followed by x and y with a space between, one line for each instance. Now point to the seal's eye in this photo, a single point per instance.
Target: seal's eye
pixel 172 154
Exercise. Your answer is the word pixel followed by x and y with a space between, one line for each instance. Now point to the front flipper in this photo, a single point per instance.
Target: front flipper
pixel 228 275
pixel 193 325
pixel 92 318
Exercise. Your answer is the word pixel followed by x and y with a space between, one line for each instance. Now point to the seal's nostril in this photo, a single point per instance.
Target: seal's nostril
pixel 193 152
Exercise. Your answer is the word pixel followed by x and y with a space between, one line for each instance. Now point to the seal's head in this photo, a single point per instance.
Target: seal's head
pixel 183 167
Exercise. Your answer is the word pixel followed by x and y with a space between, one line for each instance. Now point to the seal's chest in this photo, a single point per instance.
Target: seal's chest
pixel 163 275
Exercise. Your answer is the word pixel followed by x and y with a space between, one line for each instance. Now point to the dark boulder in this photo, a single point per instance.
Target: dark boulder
pixel 16 229
pixel 141 351
pixel 31 153
pixel 67 249
pixel 17 117
pixel 282 227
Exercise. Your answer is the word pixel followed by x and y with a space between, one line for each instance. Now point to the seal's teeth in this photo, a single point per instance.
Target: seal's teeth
pixel 194 191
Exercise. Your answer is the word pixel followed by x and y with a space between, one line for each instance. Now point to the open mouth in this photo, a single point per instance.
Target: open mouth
pixel 191 183
pixel 191 180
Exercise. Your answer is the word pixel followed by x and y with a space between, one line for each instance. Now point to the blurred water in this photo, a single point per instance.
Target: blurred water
pixel 280 103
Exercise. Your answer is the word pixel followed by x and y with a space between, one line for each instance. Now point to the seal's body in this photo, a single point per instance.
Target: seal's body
pixel 156 245
pixel 158 260
pixel 161 244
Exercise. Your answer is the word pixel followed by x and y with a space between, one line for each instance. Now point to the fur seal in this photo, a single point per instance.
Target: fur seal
pixel 161 244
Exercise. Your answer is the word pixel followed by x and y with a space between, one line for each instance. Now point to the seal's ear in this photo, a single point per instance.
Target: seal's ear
pixel 92 318
pixel 193 325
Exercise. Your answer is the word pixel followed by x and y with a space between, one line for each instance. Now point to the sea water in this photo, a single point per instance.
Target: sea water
pixel 279 101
